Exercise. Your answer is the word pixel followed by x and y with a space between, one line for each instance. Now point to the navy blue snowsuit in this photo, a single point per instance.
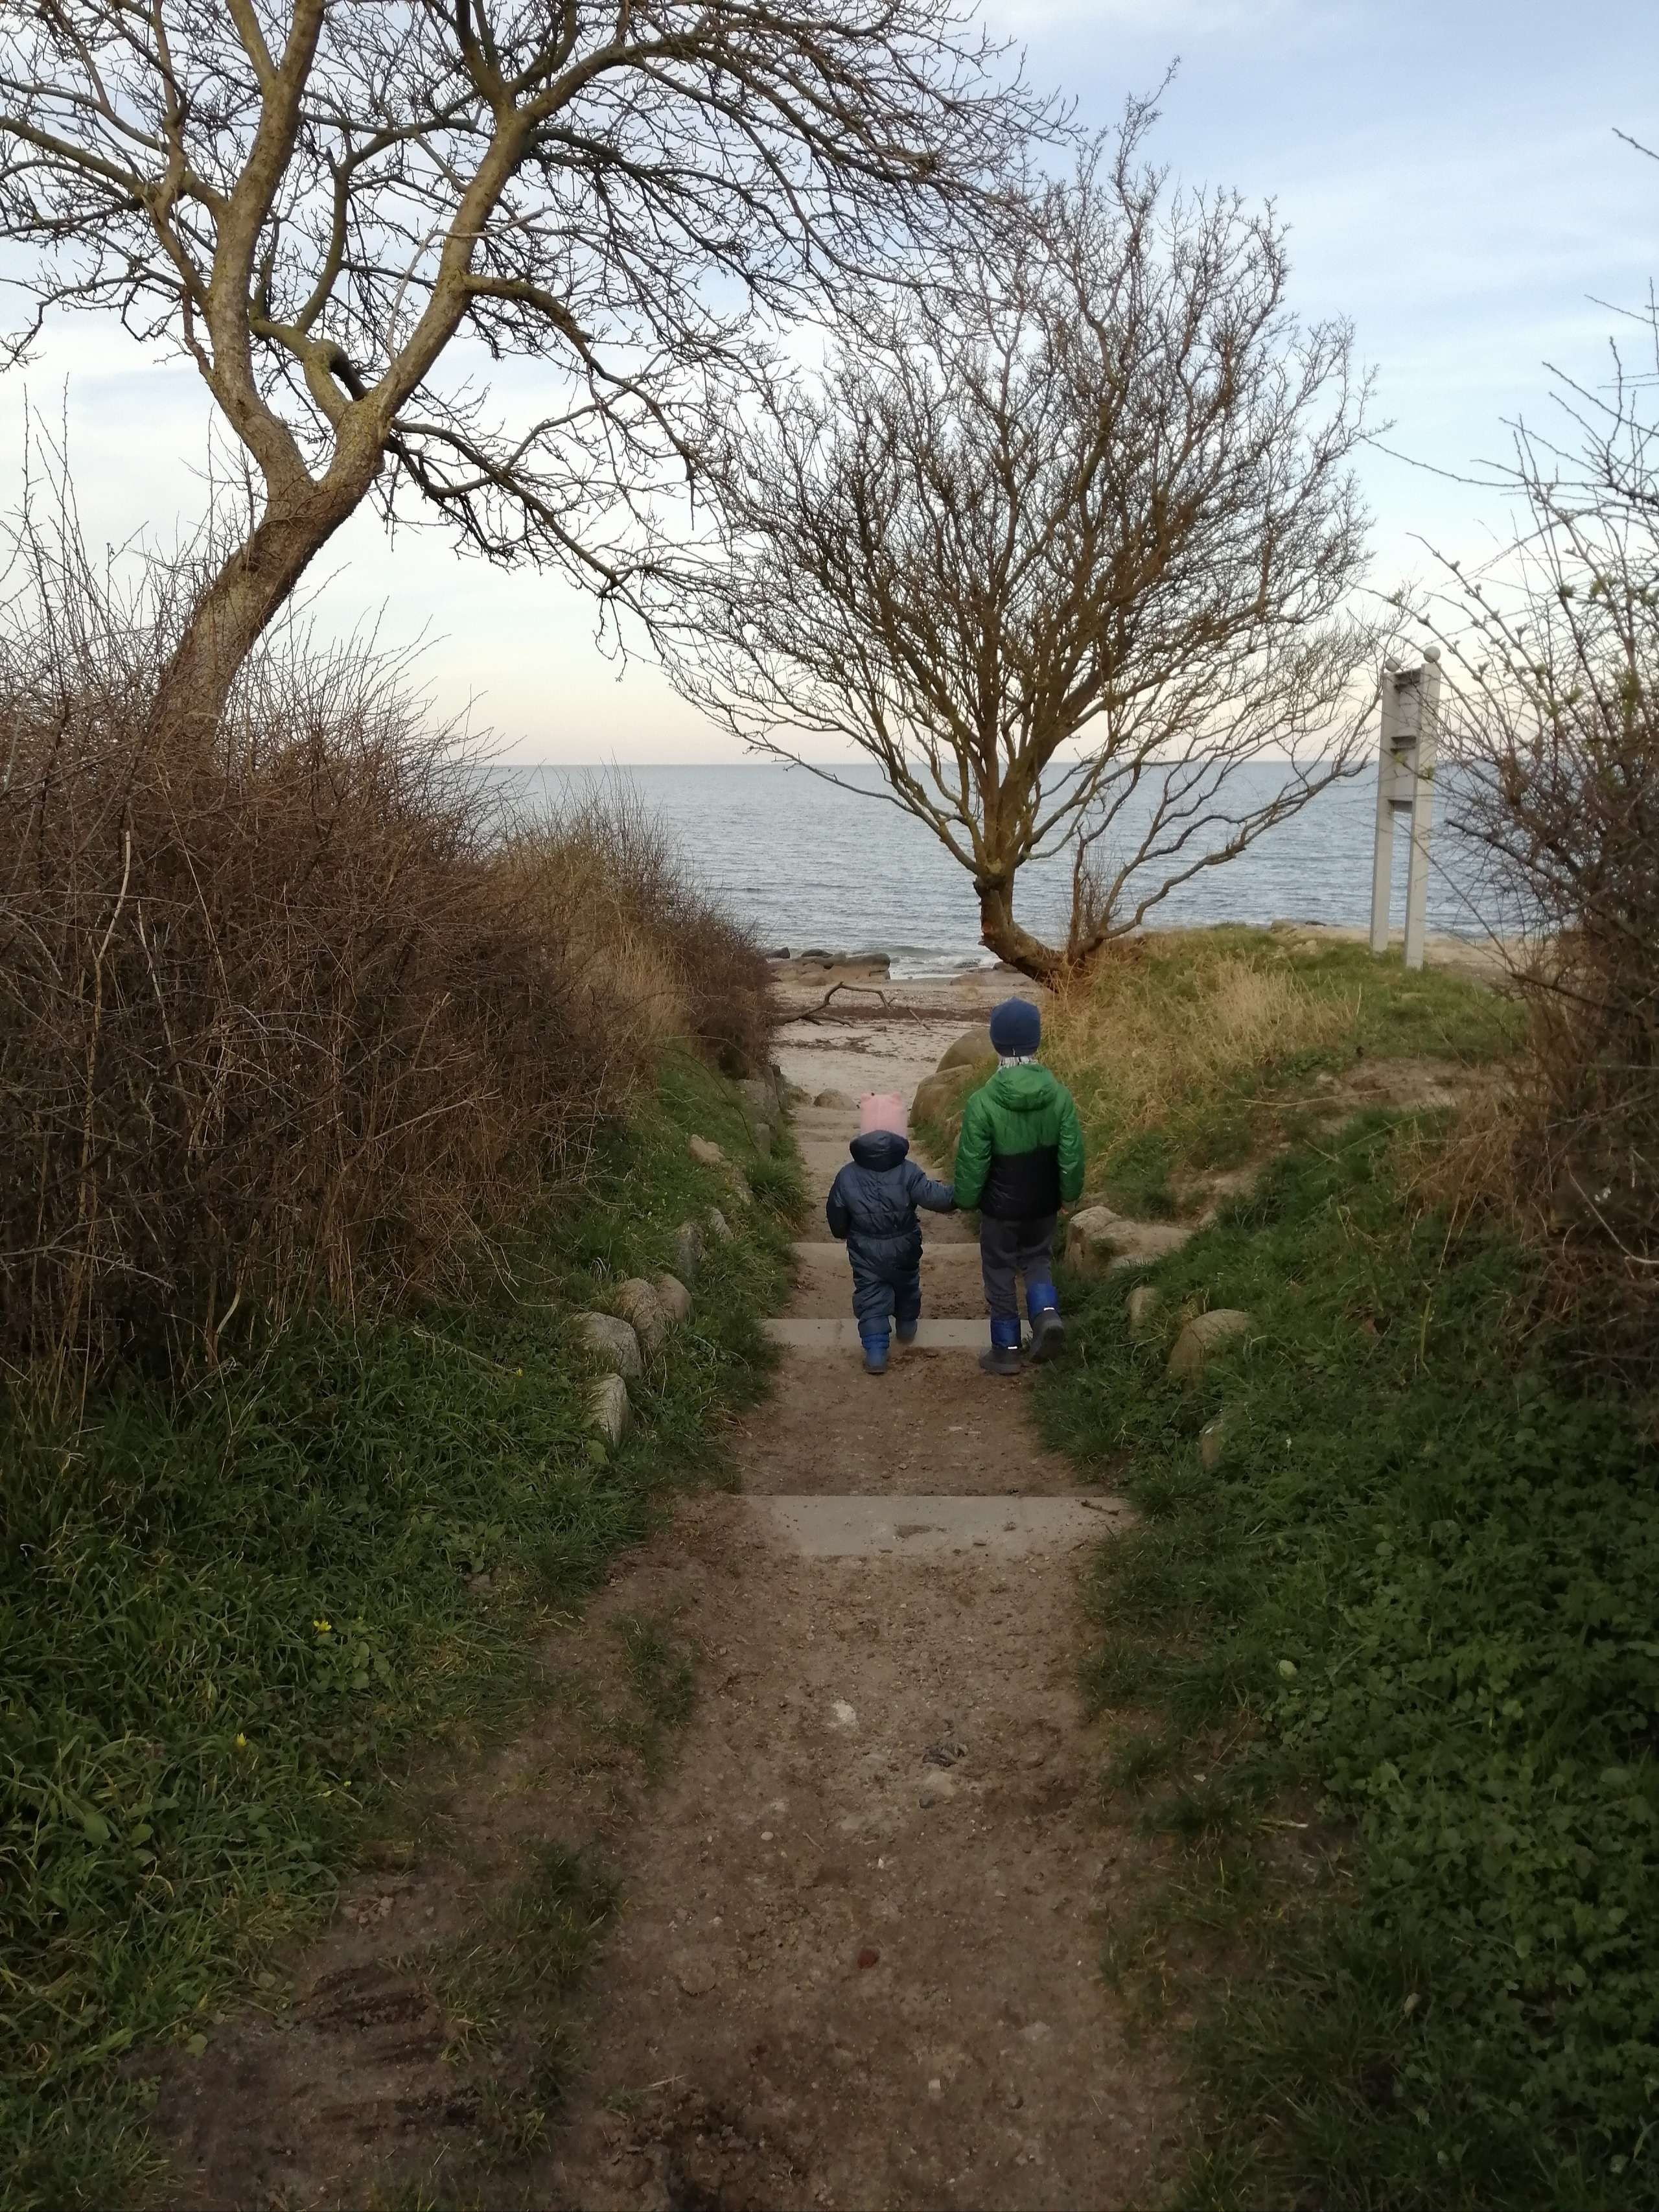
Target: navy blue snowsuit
pixel 872 1204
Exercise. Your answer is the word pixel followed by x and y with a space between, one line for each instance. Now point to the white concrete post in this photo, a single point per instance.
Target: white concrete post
pixel 1382 857
pixel 1407 745
pixel 1417 874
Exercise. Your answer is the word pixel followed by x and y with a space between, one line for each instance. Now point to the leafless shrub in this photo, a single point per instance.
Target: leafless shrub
pixel 1064 543
pixel 1553 733
pixel 277 1021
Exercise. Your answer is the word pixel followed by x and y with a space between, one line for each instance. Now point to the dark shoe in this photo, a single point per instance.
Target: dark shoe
pixel 875 1355
pixel 1048 1333
pixel 906 1331
pixel 1002 1359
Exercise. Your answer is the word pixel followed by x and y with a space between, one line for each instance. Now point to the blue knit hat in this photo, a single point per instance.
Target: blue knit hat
pixel 1016 1029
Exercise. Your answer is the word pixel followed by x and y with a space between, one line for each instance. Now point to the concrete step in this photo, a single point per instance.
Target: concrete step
pixel 925 1526
pixel 842 1336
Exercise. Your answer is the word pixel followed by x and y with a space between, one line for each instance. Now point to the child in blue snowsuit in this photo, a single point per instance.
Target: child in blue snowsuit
pixel 872 1204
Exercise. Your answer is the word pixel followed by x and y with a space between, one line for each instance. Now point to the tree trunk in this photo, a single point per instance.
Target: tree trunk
pixel 1000 933
pixel 234 613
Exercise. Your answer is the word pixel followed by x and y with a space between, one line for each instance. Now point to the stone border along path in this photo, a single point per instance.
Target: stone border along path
pixel 859 1962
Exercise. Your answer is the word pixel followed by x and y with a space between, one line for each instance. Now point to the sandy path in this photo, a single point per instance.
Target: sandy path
pixel 859 1964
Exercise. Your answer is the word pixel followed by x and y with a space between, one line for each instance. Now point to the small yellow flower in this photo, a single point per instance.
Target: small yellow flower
pixel 324 1627
pixel 241 1743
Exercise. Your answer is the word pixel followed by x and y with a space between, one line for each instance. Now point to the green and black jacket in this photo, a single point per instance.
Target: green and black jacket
pixel 1020 1153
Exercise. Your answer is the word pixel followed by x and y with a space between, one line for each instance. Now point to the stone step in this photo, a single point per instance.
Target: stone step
pixel 924 1525
pixel 842 1336
pixel 818 1254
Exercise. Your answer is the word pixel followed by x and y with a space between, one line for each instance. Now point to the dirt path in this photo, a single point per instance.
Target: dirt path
pixel 859 1964
pixel 855 1961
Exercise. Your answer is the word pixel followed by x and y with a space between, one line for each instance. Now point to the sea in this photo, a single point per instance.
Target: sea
pixel 810 865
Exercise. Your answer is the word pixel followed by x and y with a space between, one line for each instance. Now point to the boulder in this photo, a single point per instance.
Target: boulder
pixel 637 1302
pixel 778 952
pixel 1211 1441
pixel 706 1153
pixel 612 1341
pixel 1202 1336
pixel 971 1050
pixel 607 1409
pixel 938 1097
pixel 1145 1300
pixel 760 1100
pixel 1098 1239
pixel 835 1098
pixel 688 1250
pixel 719 1227
pixel 673 1297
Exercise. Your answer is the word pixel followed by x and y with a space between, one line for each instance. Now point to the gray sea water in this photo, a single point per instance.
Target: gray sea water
pixel 810 866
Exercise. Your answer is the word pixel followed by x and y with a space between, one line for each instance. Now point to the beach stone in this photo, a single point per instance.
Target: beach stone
pixel 1145 1300
pixel 1096 1239
pixel 837 1098
pixel 612 1341
pixel 673 1297
pixel 607 1409
pixel 706 1153
pixel 719 1227
pixel 637 1302
pixel 971 1050
pixel 1211 1439
pixel 688 1250
pixel 1202 1336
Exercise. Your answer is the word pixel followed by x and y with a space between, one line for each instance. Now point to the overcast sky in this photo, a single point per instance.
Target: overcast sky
pixel 1452 183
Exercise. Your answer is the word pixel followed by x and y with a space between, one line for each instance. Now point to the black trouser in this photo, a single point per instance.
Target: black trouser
pixel 1010 1247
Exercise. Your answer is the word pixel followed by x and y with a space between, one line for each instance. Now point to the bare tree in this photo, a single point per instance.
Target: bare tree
pixel 1062 545
pixel 347 212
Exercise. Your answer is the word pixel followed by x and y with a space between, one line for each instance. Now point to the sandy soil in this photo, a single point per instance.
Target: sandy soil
pixel 852 1029
pixel 857 1959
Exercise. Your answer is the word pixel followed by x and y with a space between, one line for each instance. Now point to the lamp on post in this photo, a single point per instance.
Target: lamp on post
pixel 1404 785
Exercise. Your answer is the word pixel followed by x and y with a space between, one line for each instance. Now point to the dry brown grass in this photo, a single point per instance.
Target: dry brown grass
pixel 278 1022
pixel 1175 1018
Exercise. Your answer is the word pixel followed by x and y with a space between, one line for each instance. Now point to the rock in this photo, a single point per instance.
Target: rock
pixel 1145 1300
pixel 675 1299
pixel 971 1050
pixel 940 1095
pixel 760 1100
pixel 936 1788
pixel 637 1302
pixel 688 1250
pixel 836 1099
pixel 778 952
pixel 706 1153
pixel 869 1956
pixel 797 1094
pixel 612 1341
pixel 607 1409
pixel 816 952
pixel 696 1976
pixel 880 963
pixel 1211 1441
pixel 1200 1337
pixel 719 1227
pixel 1098 1239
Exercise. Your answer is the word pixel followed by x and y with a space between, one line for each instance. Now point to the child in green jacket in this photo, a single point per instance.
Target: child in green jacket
pixel 1019 1159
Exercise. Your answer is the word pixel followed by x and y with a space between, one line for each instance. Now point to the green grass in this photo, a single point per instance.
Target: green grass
pixel 1390 1684
pixel 224 1624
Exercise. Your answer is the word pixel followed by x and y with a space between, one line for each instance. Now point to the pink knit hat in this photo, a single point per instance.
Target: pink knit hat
pixel 882 1110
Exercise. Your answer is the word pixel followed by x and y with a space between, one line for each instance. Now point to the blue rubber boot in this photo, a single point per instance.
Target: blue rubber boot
pixel 875 1351
pixel 1048 1329
pixel 1003 1357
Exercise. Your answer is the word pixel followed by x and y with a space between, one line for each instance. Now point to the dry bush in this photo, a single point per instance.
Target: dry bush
pixel 1553 725
pixel 275 1022
pixel 604 875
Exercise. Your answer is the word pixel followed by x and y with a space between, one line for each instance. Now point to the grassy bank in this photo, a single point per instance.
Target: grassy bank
pixel 1387 1674
pixel 227 1617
